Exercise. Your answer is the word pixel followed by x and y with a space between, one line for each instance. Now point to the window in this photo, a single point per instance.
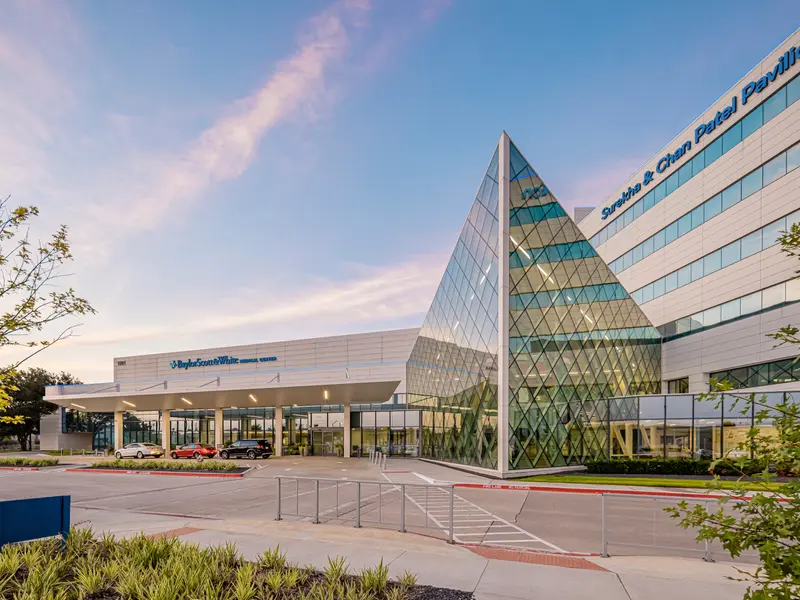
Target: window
pixel 728 140
pixel 731 137
pixel 731 253
pixel 678 386
pixel 751 303
pixel 731 195
pixel 751 183
pixel 712 262
pixel 752 122
pixel 779 371
pixel 792 158
pixel 775 169
pixel 774 105
pixel 751 244
pixel 712 207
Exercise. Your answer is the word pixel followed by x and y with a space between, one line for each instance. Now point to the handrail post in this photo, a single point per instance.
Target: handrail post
pixel 402 508
pixel 358 504
pixel 603 540
pixel 316 508
pixel 707 554
pixel 278 515
pixel 452 498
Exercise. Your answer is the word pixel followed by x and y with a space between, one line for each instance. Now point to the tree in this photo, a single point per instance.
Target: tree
pixel 27 401
pixel 769 522
pixel 32 302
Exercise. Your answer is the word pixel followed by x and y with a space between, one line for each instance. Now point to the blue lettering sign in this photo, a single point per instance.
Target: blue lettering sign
pixel 536 192
pixel 218 361
pixel 786 62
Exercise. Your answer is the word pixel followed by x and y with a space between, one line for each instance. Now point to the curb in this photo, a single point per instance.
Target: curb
pixel 19 468
pixel 166 473
pixel 596 491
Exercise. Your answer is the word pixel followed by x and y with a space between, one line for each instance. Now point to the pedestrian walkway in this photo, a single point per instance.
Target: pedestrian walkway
pixel 471 523
pixel 439 564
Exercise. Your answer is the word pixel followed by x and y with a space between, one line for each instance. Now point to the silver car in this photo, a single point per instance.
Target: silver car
pixel 140 450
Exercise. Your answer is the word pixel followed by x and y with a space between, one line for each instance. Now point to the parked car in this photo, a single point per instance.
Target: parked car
pixel 250 448
pixel 140 450
pixel 194 451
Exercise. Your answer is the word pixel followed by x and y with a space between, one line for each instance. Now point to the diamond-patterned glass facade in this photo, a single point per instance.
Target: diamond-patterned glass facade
pixel 575 335
pixel 452 371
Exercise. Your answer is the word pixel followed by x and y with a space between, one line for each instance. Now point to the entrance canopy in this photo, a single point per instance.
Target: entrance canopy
pixel 180 395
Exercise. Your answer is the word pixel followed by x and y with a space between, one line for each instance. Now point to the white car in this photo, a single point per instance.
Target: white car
pixel 140 450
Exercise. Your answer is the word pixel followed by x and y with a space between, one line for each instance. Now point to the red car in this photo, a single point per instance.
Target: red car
pixel 194 451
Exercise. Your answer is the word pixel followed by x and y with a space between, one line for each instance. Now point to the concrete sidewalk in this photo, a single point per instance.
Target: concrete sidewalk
pixel 439 564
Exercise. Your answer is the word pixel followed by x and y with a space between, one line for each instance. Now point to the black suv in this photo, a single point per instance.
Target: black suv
pixel 250 448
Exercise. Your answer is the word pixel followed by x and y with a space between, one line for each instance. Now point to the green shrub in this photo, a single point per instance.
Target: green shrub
pixel 165 465
pixel 146 568
pixel 676 466
pixel 27 462
pixel 649 466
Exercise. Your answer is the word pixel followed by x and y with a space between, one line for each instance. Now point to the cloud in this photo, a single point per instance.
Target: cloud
pixel 377 294
pixel 225 149
pixel 594 187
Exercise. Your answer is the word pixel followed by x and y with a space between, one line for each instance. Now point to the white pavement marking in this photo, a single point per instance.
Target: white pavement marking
pixel 478 522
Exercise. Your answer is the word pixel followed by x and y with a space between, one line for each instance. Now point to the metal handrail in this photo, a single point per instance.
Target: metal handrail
pixel 448 527
pixel 604 542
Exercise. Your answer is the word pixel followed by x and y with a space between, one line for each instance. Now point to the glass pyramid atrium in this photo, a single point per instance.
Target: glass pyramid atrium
pixel 528 332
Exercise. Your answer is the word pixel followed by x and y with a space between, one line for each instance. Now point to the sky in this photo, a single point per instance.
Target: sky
pixel 235 173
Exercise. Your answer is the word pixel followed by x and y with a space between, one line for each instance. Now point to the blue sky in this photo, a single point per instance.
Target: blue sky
pixel 257 171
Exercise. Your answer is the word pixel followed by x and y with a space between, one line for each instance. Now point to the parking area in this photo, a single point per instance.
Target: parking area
pixel 408 491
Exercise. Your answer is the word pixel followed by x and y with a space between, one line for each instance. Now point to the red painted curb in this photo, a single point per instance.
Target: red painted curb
pixel 596 491
pixel 171 474
pixel 19 468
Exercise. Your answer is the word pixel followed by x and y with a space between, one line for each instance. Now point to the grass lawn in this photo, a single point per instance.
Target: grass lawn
pixel 665 482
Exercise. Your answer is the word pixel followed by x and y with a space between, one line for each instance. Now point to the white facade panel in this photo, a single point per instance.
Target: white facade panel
pixel 742 342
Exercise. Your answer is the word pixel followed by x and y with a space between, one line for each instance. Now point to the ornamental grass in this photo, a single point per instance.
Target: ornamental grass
pixel 141 568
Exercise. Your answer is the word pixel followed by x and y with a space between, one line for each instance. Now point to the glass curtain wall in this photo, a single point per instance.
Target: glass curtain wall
pixel 680 425
pixel 192 427
pixel 248 424
pixel 100 425
pixel 141 426
pixel 452 371
pixel 395 433
pixel 576 337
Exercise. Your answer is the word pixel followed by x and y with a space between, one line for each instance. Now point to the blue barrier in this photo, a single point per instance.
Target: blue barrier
pixel 22 520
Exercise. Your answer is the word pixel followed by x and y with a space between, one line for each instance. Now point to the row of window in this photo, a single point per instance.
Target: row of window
pixel 604 292
pixel 755 242
pixel 534 214
pixel 743 128
pixel 779 371
pixel 771 297
pixel 578 339
pixel 554 253
pixel 784 163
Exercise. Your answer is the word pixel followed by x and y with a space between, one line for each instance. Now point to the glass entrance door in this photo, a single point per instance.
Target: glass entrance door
pixel 326 442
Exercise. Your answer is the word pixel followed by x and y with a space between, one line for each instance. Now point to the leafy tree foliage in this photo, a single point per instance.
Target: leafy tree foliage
pixel 27 401
pixel 765 522
pixel 30 298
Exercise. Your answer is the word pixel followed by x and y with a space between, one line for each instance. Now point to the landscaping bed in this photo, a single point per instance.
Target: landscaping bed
pixel 19 461
pixel 176 466
pixel 141 568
